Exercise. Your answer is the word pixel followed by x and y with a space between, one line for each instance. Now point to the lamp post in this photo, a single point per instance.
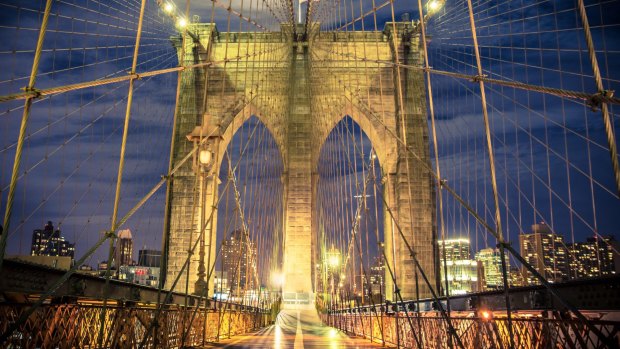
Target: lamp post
pixel 206 138
pixel 180 21
pixel 432 8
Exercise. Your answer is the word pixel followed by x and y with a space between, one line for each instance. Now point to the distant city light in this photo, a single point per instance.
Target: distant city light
pixel 168 7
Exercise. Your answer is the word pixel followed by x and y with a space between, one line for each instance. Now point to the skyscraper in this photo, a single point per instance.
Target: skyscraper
pixel 462 271
pixel 149 258
pixel 597 256
pixel 374 283
pixel 50 242
pixel 239 262
pixel 546 252
pixel 123 253
pixel 456 249
pixel 490 268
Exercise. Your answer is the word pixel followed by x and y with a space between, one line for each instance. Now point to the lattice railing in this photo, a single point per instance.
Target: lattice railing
pixel 530 332
pixel 77 326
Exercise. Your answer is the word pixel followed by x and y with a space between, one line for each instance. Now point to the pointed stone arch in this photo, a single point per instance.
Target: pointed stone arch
pixel 373 129
pixel 230 124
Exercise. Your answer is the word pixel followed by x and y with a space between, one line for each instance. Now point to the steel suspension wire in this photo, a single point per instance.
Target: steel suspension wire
pixel 109 235
pixel 609 129
pixel 119 179
pixel 435 149
pixel 594 100
pixel 195 244
pixel 116 222
pixel 356 227
pixel 22 132
pixel 480 220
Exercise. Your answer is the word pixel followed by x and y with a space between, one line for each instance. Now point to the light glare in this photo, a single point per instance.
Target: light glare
pixel 182 23
pixel 278 279
pixel 334 261
pixel 486 315
pixel 168 7
pixel 434 5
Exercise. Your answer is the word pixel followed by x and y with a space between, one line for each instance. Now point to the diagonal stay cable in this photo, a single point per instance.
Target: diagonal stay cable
pixel 469 209
pixel 108 235
pixel 72 87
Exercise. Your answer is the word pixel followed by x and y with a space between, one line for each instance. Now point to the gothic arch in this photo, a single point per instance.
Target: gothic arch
pixel 383 143
pixel 231 124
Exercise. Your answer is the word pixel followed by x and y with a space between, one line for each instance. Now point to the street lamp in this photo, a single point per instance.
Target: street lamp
pixel 333 258
pixel 181 23
pixel 168 7
pixel 434 5
pixel 205 156
pixel 205 138
pixel 334 261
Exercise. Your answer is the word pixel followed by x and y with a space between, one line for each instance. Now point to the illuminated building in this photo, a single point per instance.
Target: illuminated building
pixel 373 282
pixel 516 277
pixel 141 275
pixel 594 257
pixel 124 249
pixel 546 252
pixel 490 268
pixel 462 271
pixel 456 249
pixel 148 268
pixel 239 262
pixel 50 242
pixel 377 273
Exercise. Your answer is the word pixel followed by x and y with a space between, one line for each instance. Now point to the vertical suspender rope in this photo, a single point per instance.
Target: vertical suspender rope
pixel 119 179
pixel 438 180
pixel 22 131
pixel 498 222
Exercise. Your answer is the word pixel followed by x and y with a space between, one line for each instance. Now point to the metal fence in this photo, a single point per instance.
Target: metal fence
pixel 78 325
pixel 476 330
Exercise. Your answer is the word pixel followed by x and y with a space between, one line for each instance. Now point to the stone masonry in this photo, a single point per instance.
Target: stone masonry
pixel 300 89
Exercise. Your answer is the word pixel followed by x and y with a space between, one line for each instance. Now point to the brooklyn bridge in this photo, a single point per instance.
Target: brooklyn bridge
pixel 309 174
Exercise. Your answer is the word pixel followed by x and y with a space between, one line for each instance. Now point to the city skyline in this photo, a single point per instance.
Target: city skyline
pixel 85 224
pixel 445 169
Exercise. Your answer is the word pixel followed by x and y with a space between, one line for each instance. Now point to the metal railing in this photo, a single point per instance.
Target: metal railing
pixel 77 325
pixel 547 329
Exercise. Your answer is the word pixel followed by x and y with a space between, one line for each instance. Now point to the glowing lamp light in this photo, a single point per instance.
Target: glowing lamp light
pixel 434 5
pixel 278 279
pixel 486 315
pixel 168 7
pixel 334 261
pixel 205 157
pixel 182 23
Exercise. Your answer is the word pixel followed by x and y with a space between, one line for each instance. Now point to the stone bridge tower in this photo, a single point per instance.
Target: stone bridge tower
pixel 300 90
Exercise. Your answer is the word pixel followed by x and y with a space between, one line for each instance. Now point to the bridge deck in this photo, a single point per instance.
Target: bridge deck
pixel 298 329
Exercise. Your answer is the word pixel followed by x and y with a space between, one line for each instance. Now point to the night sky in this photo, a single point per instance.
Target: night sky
pixel 551 153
